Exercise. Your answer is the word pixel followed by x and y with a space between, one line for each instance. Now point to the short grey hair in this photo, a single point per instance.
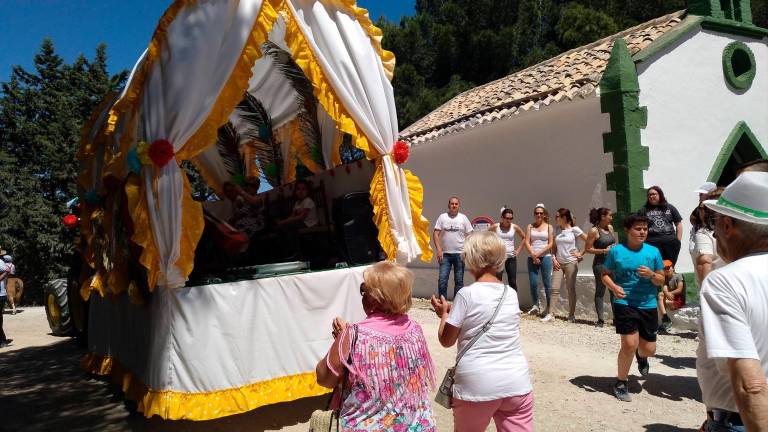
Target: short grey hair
pixel 482 250
pixel 757 233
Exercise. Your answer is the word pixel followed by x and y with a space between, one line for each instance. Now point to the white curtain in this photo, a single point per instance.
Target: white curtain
pixel 354 70
pixel 202 46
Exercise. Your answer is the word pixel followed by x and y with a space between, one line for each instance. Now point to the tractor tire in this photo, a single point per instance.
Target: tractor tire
pixel 79 313
pixel 57 307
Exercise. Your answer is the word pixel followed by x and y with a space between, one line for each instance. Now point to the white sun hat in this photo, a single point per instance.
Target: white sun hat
pixel 745 199
pixel 706 188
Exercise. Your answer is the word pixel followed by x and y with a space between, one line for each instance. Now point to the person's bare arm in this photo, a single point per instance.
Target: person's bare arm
pixel 436 238
pixel 325 377
pixel 528 241
pixel 617 290
pixel 703 265
pixel 679 231
pixel 679 288
pixel 446 333
pixel 751 393
pixel 521 234
pixel 589 243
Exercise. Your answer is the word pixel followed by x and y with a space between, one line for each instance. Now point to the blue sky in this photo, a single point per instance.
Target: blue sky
pixel 77 26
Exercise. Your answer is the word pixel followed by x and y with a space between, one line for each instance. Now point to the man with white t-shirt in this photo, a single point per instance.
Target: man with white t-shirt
pixel 732 359
pixel 450 229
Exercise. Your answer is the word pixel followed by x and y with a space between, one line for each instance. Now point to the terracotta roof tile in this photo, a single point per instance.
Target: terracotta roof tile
pixel 575 73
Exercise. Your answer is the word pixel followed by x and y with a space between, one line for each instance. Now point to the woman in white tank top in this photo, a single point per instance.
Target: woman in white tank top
pixel 507 230
pixel 538 242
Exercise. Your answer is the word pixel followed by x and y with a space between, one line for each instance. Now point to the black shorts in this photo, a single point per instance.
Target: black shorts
pixel 628 320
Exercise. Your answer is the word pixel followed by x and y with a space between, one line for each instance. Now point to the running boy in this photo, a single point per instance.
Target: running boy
pixel 671 296
pixel 630 271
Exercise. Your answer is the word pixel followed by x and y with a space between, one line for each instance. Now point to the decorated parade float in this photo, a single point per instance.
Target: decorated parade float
pixel 229 90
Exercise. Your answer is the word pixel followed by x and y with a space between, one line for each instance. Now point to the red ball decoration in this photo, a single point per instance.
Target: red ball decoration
pixel 70 221
pixel 400 152
pixel 161 152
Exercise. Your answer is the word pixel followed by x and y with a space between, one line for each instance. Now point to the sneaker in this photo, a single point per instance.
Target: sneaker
pixel 621 390
pixel 5 343
pixel 599 323
pixel 547 318
pixel 534 311
pixel 666 325
pixel 642 364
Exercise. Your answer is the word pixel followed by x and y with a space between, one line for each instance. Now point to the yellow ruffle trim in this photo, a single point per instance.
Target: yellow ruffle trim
pixel 378 197
pixel 420 223
pixel 174 405
pixel 374 33
pixel 142 233
pixel 304 57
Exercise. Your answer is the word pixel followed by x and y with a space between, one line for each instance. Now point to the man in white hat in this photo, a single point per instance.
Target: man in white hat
pixel 732 359
pixel 704 190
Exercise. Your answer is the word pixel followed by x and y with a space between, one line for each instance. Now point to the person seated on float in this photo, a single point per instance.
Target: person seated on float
pixel 304 213
pixel 249 208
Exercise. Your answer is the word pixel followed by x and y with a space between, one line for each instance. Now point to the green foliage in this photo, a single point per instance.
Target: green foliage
pixel 581 25
pixel 41 114
pixel 451 45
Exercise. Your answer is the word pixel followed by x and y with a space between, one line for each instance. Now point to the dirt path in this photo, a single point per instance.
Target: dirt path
pixel 42 387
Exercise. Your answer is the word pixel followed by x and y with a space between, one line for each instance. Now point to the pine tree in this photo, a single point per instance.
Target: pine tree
pixel 41 115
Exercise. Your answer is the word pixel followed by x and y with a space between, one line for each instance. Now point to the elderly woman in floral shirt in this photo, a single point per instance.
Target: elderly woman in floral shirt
pixel 384 359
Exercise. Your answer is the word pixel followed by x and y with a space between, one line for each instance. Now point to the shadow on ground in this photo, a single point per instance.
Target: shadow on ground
pixel 676 362
pixel 44 389
pixel 674 388
pixel 658 427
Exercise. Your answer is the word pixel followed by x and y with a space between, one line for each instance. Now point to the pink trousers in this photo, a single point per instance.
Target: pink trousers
pixel 511 414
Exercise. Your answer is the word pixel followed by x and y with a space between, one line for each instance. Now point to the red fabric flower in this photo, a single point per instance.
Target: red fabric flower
pixel 70 221
pixel 400 152
pixel 161 152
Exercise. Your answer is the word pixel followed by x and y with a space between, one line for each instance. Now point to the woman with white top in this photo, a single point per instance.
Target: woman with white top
pixel 507 230
pixel 491 379
pixel 538 242
pixel 566 260
pixel 703 245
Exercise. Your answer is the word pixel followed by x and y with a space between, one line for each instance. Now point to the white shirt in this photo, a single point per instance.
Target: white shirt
pixel 508 238
pixel 3 267
pixel 734 324
pixel 311 219
pixel 452 232
pixel 494 367
pixel 566 242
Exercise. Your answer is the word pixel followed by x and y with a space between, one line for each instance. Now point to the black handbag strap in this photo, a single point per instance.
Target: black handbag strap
pixel 483 329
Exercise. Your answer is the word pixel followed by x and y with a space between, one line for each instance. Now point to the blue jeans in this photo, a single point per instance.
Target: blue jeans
pixel 450 259
pixel 713 426
pixel 546 277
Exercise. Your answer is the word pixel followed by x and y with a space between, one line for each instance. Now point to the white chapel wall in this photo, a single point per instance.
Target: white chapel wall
pixel 691 112
pixel 554 156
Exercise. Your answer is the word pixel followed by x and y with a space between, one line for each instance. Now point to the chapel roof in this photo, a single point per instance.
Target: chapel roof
pixel 572 74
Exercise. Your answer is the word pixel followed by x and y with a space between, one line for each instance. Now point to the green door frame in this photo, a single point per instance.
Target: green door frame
pixel 740 130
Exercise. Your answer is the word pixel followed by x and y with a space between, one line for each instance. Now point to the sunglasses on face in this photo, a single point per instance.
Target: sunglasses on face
pixel 363 289
pixel 508 218
pixel 667 268
pixel 538 214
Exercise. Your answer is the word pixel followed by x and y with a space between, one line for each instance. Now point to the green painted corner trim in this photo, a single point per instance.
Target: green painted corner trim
pixel 619 97
pixel 732 10
pixel 689 24
pixel 734 137
pixel 733 27
pixel 743 80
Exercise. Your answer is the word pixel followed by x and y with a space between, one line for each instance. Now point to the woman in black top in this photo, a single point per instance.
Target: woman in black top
pixel 665 228
pixel 600 240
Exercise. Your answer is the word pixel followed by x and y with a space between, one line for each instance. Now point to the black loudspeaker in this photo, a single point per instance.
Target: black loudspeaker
pixel 353 217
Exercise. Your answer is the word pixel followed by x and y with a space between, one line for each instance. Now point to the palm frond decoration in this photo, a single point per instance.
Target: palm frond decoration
pixel 228 145
pixel 260 138
pixel 305 96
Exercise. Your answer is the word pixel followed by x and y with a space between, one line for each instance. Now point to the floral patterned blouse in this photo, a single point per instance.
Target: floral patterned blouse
pixel 389 377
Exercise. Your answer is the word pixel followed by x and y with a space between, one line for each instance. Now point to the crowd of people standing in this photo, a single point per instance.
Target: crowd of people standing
pixel 386 368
